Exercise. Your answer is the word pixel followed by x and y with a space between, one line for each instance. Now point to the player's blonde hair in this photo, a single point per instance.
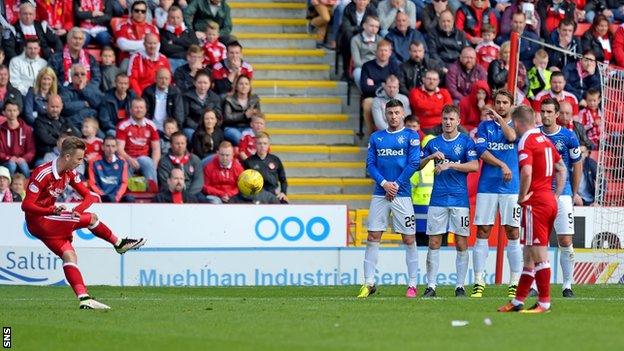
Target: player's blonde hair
pixel 523 114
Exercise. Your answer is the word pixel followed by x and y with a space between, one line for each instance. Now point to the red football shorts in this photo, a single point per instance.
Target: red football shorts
pixel 537 222
pixel 56 230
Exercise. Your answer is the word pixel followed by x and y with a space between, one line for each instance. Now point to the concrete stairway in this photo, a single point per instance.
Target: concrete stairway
pixel 311 126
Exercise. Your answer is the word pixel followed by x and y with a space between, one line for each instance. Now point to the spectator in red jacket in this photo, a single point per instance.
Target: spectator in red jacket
pixel 221 174
pixel 58 14
pixel 17 146
pixel 463 73
pixel 470 19
pixel 470 106
pixel 130 34
pixel 428 100
pixel 618 46
pixel 143 66
pixel 227 71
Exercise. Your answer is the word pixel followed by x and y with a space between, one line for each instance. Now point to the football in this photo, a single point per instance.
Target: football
pixel 250 182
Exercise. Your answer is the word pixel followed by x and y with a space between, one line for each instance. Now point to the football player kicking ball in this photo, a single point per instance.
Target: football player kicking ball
pixel 498 188
pixel 54 224
pixel 393 156
pixel 539 162
pixel 568 147
pixel 454 156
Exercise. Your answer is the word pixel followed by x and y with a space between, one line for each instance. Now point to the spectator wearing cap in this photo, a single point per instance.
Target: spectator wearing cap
pixel 401 35
pixel 49 126
pixel 164 100
pixel 175 192
pixel 116 103
pixel 93 17
pixel 138 142
pixel 72 53
pixel 29 28
pixel 176 38
pixel 143 66
pixel 6 194
pixel 445 42
pixel 81 98
pixel 221 175
pixel 228 70
pixel 17 146
pixel 463 73
pixel 180 157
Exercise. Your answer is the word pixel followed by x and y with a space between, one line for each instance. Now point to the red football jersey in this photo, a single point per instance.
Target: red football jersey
pixel 536 150
pixel 137 135
pixel 46 185
pixel 94 147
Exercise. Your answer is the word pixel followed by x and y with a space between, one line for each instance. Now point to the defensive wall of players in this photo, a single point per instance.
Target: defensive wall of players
pixel 231 245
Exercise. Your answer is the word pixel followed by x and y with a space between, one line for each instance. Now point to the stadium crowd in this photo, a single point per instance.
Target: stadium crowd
pixel 154 86
pixel 428 54
pixel 158 90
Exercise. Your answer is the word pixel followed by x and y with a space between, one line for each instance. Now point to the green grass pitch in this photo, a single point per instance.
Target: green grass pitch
pixel 305 318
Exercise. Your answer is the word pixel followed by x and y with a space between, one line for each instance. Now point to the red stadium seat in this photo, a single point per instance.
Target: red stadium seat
pixel 96 52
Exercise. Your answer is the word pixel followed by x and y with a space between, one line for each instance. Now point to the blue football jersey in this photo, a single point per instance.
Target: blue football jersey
pixel 490 137
pixel 393 157
pixel 568 146
pixel 450 188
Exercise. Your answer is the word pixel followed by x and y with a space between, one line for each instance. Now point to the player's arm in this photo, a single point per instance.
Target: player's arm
pixel 426 156
pixel 88 198
pixel 577 169
pixel 526 174
pixel 467 167
pixel 413 160
pixel 487 157
pixel 561 175
pixel 29 205
pixel 508 132
pixel 371 163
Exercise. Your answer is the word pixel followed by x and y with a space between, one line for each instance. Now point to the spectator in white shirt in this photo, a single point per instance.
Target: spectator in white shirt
pixel 24 68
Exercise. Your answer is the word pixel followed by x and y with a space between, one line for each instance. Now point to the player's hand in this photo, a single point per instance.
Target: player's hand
pixel 389 197
pixel 438 156
pixel 391 188
pixel 59 209
pixel 506 173
pixel 525 198
pixel 578 200
pixel 442 167
pixel 493 115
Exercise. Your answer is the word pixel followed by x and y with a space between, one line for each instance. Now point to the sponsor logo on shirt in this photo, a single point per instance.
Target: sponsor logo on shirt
pixel 390 152
pixel 499 146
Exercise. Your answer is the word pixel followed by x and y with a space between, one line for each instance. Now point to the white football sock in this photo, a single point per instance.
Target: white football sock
pixel 433 264
pixel 411 260
pixel 514 256
pixel 479 257
pixel 534 285
pixel 566 259
pixel 371 256
pixel 461 265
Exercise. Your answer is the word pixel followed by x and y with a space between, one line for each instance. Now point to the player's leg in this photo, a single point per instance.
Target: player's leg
pixel 510 218
pixel 564 228
pixel 437 224
pixel 102 231
pixel 377 224
pixel 485 214
pixel 404 222
pixel 74 278
pixel 460 226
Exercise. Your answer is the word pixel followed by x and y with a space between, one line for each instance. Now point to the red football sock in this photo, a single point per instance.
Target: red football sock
pixel 74 278
pixel 542 279
pixel 100 230
pixel 524 285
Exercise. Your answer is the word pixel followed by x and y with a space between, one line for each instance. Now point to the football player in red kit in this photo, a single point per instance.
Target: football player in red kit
pixel 54 224
pixel 539 161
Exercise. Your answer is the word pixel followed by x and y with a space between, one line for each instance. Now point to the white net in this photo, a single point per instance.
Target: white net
pixel 608 226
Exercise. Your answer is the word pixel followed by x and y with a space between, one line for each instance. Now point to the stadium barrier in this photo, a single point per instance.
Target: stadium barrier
pixel 187 247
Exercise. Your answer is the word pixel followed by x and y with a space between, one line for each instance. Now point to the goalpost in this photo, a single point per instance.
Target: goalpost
pixel 607 233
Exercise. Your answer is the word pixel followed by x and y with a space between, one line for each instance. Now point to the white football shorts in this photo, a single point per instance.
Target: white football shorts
pixel 564 223
pixel 403 219
pixel 441 220
pixel 507 204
